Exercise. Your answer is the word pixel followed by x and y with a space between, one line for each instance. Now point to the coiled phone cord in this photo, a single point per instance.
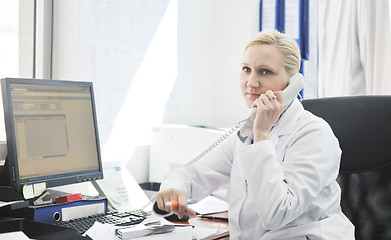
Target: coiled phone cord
pixel 215 144
pixel 208 150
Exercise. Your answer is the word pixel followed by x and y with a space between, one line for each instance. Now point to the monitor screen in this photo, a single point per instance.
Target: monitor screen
pixel 51 130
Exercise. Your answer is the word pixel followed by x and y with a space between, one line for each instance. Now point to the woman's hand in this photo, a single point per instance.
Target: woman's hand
pixel 268 113
pixel 174 195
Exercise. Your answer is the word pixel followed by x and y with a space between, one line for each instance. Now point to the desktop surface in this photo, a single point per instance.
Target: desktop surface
pixel 38 230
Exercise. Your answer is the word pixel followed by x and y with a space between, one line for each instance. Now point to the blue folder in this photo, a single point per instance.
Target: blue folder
pixel 47 213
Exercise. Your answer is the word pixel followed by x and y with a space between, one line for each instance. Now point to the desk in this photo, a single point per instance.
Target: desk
pixel 201 222
pixel 38 230
pixel 210 223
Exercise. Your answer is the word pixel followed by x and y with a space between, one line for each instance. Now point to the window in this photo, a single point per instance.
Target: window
pixel 9 47
pixel 9 38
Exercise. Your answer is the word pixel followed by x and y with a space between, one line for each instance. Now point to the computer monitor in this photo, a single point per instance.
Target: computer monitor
pixel 52 133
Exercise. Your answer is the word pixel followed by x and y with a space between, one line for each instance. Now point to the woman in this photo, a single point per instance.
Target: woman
pixel 282 175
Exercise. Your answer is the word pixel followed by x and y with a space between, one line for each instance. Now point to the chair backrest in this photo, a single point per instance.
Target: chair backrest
pixel 362 125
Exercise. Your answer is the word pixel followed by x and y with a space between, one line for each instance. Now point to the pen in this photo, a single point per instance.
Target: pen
pixel 214 218
pixel 176 203
pixel 181 225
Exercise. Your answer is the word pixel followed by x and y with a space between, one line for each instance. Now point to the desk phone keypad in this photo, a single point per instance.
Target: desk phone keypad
pixel 81 225
pixel 123 193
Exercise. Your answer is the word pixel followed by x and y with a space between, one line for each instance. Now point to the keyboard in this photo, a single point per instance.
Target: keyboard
pixel 81 225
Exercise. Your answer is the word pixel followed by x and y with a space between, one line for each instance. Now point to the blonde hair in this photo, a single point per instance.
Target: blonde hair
pixel 290 51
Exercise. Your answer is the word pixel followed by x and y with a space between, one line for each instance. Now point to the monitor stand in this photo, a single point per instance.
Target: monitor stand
pixel 7 193
pixel 4 177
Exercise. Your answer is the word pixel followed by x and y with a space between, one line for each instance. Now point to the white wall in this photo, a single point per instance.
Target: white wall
pixel 211 37
pixel 100 43
pixel 236 23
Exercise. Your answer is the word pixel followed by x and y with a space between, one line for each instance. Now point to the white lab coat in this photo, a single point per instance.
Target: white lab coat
pixel 354 47
pixel 282 188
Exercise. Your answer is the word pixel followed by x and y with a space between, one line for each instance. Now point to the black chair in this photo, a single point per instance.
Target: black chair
pixel 362 125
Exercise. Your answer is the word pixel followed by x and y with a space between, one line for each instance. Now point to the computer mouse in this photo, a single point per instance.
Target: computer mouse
pixel 170 216
pixel 175 218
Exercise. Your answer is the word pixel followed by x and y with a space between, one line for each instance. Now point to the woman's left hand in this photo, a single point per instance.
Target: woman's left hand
pixel 268 113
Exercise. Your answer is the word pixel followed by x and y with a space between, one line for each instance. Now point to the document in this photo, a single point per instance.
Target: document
pixel 100 231
pixel 210 204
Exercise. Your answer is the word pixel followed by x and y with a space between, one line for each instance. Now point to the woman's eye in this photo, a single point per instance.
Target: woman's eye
pixel 246 69
pixel 265 72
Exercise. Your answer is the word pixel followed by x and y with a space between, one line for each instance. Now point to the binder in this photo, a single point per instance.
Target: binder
pixel 305 26
pixel 63 211
pixel 269 15
pixel 302 71
pixel 295 22
pixel 310 63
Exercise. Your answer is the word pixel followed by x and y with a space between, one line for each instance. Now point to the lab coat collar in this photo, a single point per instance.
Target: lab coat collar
pixel 288 120
pixel 284 125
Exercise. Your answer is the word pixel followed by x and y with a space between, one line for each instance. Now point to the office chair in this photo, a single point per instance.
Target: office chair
pixel 362 125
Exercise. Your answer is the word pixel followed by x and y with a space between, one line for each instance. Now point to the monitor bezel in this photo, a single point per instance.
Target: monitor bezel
pixel 12 158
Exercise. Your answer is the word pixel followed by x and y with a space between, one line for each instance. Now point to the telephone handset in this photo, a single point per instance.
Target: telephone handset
pixel 295 84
